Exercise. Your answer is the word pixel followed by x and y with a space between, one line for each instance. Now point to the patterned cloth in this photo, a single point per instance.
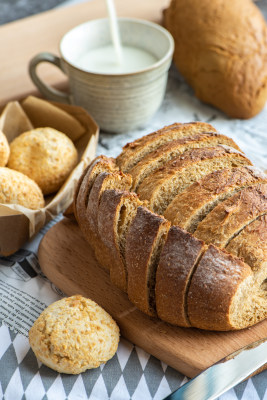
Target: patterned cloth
pixel 130 374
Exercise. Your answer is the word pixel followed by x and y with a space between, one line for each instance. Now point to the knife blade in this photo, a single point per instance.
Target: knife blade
pixel 225 374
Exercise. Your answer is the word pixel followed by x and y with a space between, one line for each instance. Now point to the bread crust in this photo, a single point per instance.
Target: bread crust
pixel 250 245
pixel 213 288
pixel 104 181
pixel 221 50
pixel 84 186
pixel 133 152
pixel 178 260
pixel 145 239
pixel 110 207
pixel 165 183
pixel 175 148
pixel 232 215
pixel 190 207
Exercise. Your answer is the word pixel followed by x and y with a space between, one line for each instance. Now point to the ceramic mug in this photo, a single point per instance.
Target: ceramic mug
pixel 118 102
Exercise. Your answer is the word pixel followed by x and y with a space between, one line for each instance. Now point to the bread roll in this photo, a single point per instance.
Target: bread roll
pixel 74 334
pixel 17 188
pixel 45 155
pixel 4 150
pixel 221 50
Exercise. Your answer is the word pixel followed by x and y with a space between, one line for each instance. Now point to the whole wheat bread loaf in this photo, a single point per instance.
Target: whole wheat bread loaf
pixel 214 279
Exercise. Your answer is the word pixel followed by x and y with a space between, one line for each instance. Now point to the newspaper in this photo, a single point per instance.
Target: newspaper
pixel 24 290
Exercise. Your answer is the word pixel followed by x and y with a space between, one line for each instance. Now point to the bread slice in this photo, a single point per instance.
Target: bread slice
pixel 133 152
pixel 104 181
pixel 251 245
pixel 177 263
pixel 164 184
pixel 144 243
pixel 225 294
pixel 170 150
pixel 191 206
pixel 85 183
pixel 116 211
pixel 228 218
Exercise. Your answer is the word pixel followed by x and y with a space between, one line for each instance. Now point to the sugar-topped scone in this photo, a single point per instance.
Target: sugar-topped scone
pixel 17 188
pixel 74 334
pixel 4 150
pixel 45 155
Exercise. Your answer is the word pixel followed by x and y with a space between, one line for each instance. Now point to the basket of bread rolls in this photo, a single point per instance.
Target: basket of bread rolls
pixel 44 147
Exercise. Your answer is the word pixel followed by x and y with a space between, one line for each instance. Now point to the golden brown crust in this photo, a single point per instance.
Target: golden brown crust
pixel 175 148
pixel 133 152
pixel 17 188
pixel 191 206
pixel 74 334
pixel 144 242
pixel 221 50
pixel 84 186
pixel 45 155
pixel 177 262
pixel 212 289
pixel 166 182
pixel 228 218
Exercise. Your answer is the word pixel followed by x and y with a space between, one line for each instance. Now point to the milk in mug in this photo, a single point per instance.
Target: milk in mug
pixel 115 58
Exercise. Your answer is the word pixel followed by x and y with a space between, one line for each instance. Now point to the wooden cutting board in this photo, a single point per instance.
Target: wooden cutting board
pixel 67 260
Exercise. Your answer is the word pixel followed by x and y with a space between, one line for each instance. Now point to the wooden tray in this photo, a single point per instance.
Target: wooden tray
pixel 67 260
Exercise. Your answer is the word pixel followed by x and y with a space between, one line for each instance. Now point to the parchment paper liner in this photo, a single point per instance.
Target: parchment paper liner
pixel 17 223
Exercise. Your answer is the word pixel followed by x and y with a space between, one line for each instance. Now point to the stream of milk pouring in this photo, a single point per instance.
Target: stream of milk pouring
pixel 114 29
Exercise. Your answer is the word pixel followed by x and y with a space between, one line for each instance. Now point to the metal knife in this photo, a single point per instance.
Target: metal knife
pixel 225 374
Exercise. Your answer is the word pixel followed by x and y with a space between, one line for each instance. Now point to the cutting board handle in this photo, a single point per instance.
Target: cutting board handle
pixel 49 92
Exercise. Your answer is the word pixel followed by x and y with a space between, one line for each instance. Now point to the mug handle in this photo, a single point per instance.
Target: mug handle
pixel 49 92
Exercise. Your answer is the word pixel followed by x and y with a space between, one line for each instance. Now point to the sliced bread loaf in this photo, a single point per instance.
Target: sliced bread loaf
pixel 144 243
pixel 178 260
pixel 116 211
pixel 133 152
pixel 164 184
pixel 224 293
pixel 191 206
pixel 228 218
pixel 170 150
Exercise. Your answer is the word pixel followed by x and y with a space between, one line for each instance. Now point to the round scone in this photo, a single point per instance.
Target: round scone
pixel 17 188
pixel 74 334
pixel 4 150
pixel 45 155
